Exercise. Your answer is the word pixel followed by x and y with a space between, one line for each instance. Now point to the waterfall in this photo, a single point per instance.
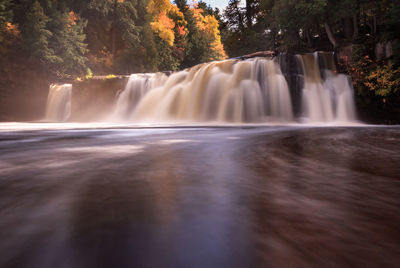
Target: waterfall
pixel 59 103
pixel 227 91
pixel 138 85
pixel 326 95
pixel 255 90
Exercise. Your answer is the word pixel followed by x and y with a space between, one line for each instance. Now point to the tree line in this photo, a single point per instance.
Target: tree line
pixel 306 24
pixel 70 38
pixel 73 37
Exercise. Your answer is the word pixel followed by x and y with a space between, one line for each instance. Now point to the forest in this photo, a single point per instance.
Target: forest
pixel 70 39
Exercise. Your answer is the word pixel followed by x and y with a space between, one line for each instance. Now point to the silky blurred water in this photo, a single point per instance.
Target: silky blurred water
pixel 117 196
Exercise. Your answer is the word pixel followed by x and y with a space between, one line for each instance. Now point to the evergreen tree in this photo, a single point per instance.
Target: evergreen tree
pixel 36 37
pixel 6 15
pixel 203 42
pixel 5 12
pixel 233 15
pixel 69 44
pixel 113 30
pixel 53 36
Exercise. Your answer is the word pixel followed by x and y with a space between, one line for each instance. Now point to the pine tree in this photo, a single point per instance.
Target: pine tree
pixel 36 37
pixel 6 15
pixel 69 44
pixel 5 12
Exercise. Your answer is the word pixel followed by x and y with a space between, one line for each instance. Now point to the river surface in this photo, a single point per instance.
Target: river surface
pixel 283 196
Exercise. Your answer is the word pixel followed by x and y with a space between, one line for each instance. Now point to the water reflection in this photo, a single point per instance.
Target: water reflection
pixel 254 197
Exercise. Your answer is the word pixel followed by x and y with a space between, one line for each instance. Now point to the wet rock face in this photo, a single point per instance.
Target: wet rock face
pixel 23 97
pixel 95 97
pixel 292 71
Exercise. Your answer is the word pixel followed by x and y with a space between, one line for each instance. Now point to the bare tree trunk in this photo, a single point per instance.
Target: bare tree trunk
pixel 249 14
pixel 273 33
pixel 374 26
pixel 113 47
pixel 347 28
pixel 355 26
pixel 240 16
pixel 331 37
pixel 309 39
pixel 113 30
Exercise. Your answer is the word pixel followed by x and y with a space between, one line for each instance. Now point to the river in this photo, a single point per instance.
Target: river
pixel 79 195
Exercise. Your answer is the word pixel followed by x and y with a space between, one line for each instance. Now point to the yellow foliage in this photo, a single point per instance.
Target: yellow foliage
pixel 165 17
pixel 209 25
pixel 164 27
pixel 155 7
pixel 177 15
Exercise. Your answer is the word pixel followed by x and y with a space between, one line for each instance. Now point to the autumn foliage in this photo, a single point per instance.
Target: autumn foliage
pixel 209 25
pixel 384 80
pixel 166 18
pixel 170 25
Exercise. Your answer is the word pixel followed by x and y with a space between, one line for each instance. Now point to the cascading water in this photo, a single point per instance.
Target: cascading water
pixel 137 87
pixel 59 103
pixel 228 91
pixel 326 96
pixel 236 91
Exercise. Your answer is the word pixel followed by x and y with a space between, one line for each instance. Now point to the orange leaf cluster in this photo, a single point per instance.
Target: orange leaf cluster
pixel 73 17
pixel 12 28
pixel 163 26
pixel 165 18
pixel 181 30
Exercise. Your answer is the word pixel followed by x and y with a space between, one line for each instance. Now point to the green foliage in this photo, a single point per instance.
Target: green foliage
pixel 6 16
pixel 359 51
pixel 36 36
pixel 377 88
pixel 64 38
pixel 393 30
pixel 111 30
pixel 166 60
pixel 6 12
pixel 70 46
pixel 294 18
pixel 233 16
pixel 115 36
pixel 89 73
pixel 202 42
pixel 53 36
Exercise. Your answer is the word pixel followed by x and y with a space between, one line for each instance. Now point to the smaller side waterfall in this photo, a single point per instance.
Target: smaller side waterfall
pixel 327 96
pixel 59 103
